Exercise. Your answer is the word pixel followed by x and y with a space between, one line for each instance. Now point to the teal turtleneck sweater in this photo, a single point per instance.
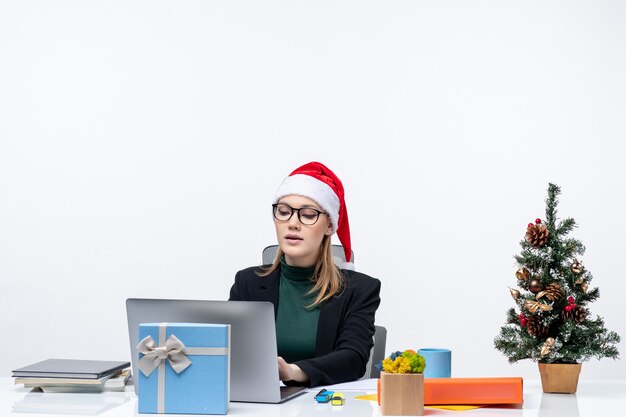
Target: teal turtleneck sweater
pixel 296 325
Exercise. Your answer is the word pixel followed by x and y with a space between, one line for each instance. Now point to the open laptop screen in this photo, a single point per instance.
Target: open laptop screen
pixel 253 364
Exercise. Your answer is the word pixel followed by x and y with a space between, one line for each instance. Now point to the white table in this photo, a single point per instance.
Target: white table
pixel 593 399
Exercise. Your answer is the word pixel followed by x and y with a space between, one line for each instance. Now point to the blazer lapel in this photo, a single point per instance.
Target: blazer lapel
pixel 268 289
pixel 328 324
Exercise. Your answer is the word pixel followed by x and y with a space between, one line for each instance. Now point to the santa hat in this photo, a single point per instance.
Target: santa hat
pixel 317 182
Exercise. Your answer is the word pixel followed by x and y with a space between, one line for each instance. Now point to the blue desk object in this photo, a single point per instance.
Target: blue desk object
pixel 324 396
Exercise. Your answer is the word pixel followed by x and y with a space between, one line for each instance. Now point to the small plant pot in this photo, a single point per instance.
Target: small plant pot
pixel 561 378
pixel 401 394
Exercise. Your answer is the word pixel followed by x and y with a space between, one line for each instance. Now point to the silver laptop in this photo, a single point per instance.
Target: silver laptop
pixel 253 362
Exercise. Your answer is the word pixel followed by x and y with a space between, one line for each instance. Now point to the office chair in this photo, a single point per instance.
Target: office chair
pixel 377 354
pixel 269 253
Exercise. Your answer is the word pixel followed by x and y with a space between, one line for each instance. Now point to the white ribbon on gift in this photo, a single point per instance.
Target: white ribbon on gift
pixel 172 350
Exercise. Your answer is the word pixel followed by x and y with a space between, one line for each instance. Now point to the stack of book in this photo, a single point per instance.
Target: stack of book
pixel 74 375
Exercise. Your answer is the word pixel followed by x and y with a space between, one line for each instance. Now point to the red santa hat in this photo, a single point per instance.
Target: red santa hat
pixel 320 184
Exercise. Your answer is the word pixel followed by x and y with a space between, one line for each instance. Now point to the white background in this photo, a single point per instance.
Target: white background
pixel 141 143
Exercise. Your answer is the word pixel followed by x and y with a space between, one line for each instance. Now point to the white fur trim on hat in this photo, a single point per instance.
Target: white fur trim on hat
pixel 348 266
pixel 316 190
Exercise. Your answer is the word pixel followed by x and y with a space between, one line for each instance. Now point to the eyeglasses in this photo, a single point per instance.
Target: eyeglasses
pixel 307 215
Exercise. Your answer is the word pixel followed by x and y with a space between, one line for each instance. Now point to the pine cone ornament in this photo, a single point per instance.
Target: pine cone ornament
pixel 578 314
pixel 537 235
pixel 535 327
pixel 552 292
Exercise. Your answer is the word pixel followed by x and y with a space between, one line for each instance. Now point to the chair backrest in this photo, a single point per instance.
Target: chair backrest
pixel 269 253
pixel 377 354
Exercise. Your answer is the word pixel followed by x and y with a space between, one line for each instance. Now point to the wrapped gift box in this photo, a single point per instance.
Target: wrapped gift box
pixel 184 368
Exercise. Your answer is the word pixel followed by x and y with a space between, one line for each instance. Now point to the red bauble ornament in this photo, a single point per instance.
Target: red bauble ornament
pixel 538 221
pixel 568 308
pixel 570 299
pixel 530 225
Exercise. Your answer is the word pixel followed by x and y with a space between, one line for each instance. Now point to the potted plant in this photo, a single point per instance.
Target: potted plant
pixel 551 323
pixel 402 384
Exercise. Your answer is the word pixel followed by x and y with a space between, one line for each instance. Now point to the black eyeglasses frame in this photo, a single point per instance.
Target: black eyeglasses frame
pixel 293 210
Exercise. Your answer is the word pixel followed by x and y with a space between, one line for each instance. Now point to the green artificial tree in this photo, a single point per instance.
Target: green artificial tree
pixel 552 323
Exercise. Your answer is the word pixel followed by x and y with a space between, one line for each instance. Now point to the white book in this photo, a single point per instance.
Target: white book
pixel 62 381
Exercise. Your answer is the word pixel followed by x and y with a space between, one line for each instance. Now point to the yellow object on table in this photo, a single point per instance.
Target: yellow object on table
pixel 374 397
pixel 337 399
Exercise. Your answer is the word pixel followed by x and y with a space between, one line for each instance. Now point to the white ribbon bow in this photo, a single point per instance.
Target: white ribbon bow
pixel 174 351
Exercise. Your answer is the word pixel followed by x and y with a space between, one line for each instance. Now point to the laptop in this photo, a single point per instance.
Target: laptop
pixel 253 361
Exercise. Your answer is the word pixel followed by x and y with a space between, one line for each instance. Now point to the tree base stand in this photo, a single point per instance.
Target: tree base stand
pixel 559 378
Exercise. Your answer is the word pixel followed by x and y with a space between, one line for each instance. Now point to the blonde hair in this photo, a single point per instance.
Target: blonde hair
pixel 327 277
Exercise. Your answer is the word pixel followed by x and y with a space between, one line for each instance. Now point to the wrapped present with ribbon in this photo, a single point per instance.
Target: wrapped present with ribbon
pixel 184 368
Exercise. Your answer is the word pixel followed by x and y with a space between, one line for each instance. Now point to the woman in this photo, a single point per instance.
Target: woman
pixel 324 315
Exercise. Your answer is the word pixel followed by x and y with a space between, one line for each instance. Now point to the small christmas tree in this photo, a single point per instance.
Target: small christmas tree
pixel 552 323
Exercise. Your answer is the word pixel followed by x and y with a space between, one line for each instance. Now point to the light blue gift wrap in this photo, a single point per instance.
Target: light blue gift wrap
pixel 184 368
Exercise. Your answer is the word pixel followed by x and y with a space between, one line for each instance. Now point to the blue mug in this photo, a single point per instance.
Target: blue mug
pixel 438 362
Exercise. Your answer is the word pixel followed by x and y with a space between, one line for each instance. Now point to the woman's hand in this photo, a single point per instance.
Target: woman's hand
pixel 290 372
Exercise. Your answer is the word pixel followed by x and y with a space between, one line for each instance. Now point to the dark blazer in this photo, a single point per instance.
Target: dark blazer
pixel 345 329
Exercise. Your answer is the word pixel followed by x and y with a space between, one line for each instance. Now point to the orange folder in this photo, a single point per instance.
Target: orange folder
pixel 468 391
pixel 472 391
